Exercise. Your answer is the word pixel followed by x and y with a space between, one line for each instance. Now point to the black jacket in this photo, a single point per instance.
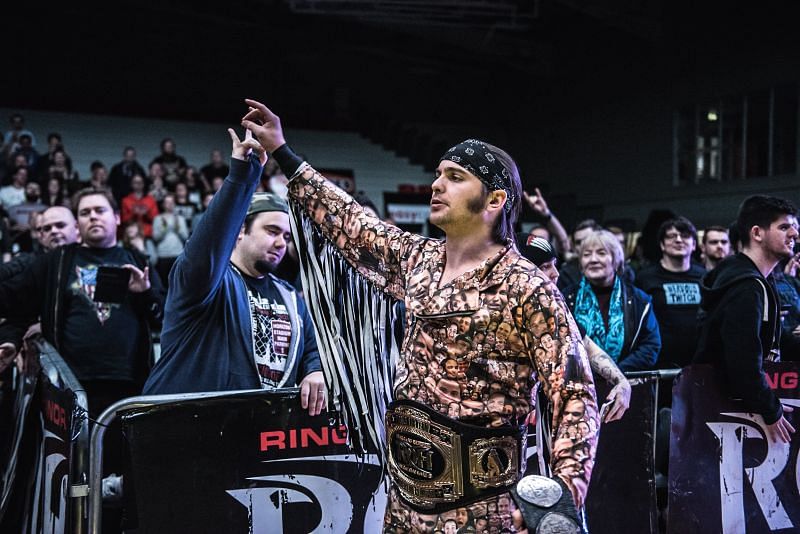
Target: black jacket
pixel 739 326
pixel 642 336
pixel 38 294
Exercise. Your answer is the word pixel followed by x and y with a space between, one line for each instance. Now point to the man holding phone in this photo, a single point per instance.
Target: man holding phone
pixel 105 341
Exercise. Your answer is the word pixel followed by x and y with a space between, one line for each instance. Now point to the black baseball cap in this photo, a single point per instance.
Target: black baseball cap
pixel 536 249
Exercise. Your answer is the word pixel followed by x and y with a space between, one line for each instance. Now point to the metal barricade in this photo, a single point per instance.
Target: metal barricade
pixel 96 444
pixel 59 373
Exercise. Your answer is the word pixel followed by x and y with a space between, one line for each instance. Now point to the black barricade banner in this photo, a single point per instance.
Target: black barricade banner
pixel 724 474
pixel 51 491
pixel 622 492
pixel 249 464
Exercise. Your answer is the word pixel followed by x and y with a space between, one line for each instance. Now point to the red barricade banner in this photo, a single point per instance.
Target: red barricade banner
pixel 724 474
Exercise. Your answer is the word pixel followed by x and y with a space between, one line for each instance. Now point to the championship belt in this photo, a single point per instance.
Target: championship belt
pixel 438 463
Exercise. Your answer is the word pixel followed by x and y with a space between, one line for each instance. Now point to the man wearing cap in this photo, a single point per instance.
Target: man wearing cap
pixel 229 323
pixel 453 431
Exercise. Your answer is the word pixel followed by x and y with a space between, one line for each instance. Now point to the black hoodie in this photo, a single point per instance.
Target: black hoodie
pixel 739 327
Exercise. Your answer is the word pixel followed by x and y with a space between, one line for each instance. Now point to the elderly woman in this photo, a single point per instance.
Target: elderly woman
pixel 615 315
pixel 541 253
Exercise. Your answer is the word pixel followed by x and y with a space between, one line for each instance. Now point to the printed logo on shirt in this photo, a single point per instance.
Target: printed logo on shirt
pixel 272 333
pixel 85 285
pixel 679 294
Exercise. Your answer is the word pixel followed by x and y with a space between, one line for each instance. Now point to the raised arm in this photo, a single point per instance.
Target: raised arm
pixel 539 205
pixel 376 249
pixel 205 257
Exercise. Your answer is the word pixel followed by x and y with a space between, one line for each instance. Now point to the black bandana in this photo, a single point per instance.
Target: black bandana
pixel 476 157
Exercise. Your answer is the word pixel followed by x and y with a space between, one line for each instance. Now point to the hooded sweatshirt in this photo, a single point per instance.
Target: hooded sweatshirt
pixel 740 328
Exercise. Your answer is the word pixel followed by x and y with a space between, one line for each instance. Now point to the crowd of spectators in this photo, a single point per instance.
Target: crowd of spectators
pixel 637 298
pixel 159 203
pixel 636 295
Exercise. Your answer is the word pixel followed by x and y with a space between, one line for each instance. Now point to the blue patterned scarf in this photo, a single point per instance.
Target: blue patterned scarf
pixel 587 313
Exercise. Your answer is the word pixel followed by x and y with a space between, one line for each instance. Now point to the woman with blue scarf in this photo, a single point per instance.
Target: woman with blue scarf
pixel 617 316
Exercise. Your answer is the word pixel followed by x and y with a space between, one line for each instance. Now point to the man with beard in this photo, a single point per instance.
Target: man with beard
pixel 740 319
pixel 716 246
pixel 229 323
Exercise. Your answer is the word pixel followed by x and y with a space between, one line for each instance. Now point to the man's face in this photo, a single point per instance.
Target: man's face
pixel 423 523
pixel 542 232
pixel 780 237
pixel 538 324
pixel 264 246
pixel 137 184
pixel 32 192
pixel 447 391
pixel 97 222
pixel 502 331
pixel 21 177
pixel 579 235
pixel 100 175
pixel 677 244
pixel 550 270
pixel 451 368
pixel 129 155
pixel 169 147
pixel 503 506
pixel 216 157
pixel 58 227
pixel 717 245
pixel 496 403
pixel 458 200
pixel 574 411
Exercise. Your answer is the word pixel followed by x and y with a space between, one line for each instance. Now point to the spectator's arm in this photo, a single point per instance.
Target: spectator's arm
pixel 21 299
pixel 206 255
pixel 160 228
pixel 539 205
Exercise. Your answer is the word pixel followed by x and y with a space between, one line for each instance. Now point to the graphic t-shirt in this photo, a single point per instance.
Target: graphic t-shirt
pixel 100 339
pixel 676 299
pixel 272 330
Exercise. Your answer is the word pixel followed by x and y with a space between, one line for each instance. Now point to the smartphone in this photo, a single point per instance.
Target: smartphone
pixel 112 284
pixel 604 409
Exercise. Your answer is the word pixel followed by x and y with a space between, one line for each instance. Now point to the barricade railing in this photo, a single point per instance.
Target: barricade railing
pixel 224 455
pixel 61 375
pixel 44 479
pixel 96 443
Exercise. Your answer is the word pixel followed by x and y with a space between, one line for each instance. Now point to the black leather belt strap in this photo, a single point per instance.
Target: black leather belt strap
pixel 438 463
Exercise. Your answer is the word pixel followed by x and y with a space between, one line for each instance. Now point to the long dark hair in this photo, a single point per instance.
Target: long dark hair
pixel 507 220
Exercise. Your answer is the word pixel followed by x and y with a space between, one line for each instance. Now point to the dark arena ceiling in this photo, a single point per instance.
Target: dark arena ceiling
pixel 339 64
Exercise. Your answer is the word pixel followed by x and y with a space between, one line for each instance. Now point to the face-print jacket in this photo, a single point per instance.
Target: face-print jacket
pixel 473 348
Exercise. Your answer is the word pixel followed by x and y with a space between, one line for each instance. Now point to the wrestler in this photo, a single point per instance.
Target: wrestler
pixel 475 269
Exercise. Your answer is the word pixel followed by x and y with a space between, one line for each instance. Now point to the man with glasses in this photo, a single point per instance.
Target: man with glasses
pixel 674 284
